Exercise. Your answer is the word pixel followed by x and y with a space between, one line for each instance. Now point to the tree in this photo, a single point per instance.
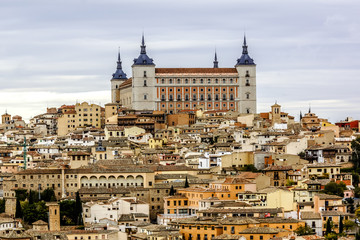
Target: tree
pixel 335 189
pixel 329 226
pixel 341 225
pixel 302 155
pixel 67 212
pixel 304 230
pixel 48 195
pixel 2 205
pixel 34 212
pixel 348 224
pixel 78 210
pixel 172 191
pixel 186 183
pixel 331 236
pixel 18 213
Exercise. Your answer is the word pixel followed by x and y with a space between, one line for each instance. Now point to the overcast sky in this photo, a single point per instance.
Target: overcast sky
pixel 59 52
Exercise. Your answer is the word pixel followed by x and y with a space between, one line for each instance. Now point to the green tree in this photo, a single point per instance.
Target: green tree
pixel 331 236
pixel 34 212
pixel 18 213
pixel 335 189
pixel 329 227
pixel 21 194
pixel 341 225
pixel 48 195
pixel 355 158
pixel 2 205
pixel 67 212
pixel 78 210
pixel 186 183
pixel 302 155
pixel 348 224
pixel 304 230
pixel 172 191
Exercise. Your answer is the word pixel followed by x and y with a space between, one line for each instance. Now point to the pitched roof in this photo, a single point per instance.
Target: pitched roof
pixel 195 70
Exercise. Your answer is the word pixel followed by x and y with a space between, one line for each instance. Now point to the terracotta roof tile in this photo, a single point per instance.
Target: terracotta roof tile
pixel 195 70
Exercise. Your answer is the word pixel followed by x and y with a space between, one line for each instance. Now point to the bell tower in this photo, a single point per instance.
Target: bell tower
pixel 246 69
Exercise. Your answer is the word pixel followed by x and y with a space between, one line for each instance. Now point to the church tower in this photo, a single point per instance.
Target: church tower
pixel 118 78
pixel 246 69
pixel 143 82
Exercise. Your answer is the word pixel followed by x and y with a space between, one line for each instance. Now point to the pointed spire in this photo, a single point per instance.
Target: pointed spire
pixel 245 59
pixel 119 73
pixel 143 47
pixel 245 51
pixel 216 63
pixel 119 61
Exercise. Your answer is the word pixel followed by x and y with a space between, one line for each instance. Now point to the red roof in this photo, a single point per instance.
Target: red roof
pixel 195 70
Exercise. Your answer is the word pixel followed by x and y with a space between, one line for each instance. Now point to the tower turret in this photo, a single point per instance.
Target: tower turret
pixel 143 81
pixel 118 77
pixel 246 69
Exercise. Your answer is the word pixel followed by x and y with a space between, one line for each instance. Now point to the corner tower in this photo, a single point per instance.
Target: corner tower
pixel 246 69
pixel 143 82
pixel 118 78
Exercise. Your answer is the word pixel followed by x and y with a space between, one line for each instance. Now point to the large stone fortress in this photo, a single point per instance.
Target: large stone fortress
pixel 175 89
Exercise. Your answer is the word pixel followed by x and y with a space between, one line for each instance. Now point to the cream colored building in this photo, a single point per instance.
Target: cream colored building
pixel 80 115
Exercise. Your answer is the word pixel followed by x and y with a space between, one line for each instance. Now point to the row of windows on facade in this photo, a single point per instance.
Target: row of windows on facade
pixel 194 105
pixel 194 81
pixel 194 90
pixel 247 83
pixel 201 98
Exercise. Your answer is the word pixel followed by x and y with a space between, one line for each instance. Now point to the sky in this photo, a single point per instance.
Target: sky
pixel 62 52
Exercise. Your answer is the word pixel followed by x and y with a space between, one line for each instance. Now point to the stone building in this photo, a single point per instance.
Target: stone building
pixel 174 89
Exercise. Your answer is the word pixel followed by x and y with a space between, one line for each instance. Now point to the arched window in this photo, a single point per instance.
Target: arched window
pixel 145 83
pixel 224 96
pixel 216 97
pixel 178 81
pixel 194 81
pixel 170 81
pixel 247 82
pixel 194 97
pixel 201 81
pixel 186 97
pixel 162 81
pixel 247 95
pixel 186 81
pixel 231 96
pixel 171 97
pixel 209 97
pixel 231 80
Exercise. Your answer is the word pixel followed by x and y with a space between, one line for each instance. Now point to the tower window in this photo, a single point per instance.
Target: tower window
pixel 224 97
pixel 248 110
pixel 247 95
pixel 209 81
pixel 145 97
pixel 247 74
pixel 224 80
pixel 145 85
pixel 247 82
pixel 116 86
pixel 194 89
pixel 231 96
pixel 179 97
pixel 144 73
